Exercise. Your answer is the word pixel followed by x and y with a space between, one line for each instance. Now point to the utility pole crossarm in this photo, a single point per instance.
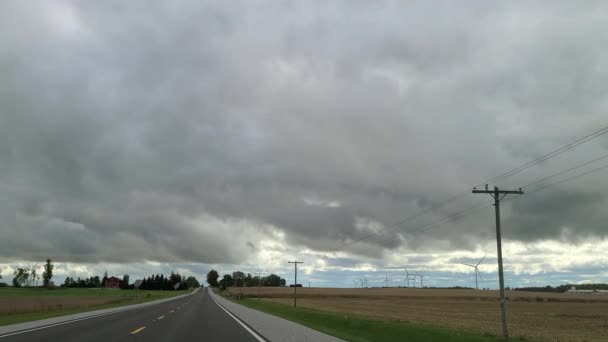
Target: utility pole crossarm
pixel 506 192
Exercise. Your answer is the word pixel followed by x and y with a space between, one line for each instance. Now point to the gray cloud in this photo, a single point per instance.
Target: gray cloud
pixel 131 132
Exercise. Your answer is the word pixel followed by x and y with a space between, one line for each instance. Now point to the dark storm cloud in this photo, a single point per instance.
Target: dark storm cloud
pixel 132 131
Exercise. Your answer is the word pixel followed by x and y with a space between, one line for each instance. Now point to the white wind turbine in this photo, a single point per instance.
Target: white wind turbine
pixel 421 276
pixel 477 273
pixel 409 277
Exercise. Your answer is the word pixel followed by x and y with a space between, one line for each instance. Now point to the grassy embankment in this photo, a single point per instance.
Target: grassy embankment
pixel 29 304
pixel 358 328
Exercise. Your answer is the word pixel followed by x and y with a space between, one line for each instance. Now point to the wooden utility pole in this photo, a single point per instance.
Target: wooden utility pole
pixel 496 194
pixel 295 285
pixel 259 281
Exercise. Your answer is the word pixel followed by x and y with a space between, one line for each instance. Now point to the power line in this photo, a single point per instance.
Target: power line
pixel 548 156
pixel 426 227
pixel 505 175
pixel 567 180
pixel 565 171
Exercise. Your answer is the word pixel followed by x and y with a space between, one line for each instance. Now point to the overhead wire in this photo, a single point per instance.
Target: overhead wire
pixel 565 171
pixel 502 176
pixel 548 156
pixel 603 167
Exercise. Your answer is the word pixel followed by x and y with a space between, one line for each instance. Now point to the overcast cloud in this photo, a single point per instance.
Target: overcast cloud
pixel 233 133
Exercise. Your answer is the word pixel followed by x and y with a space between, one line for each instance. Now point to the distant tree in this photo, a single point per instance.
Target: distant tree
pixel 248 282
pixel 34 277
pixel 283 282
pixel 125 282
pixel 26 275
pixel 47 275
pixel 192 282
pixel 273 280
pixel 96 281
pixel 225 282
pixel 212 277
pixel 174 278
pixel 20 277
pixel 104 279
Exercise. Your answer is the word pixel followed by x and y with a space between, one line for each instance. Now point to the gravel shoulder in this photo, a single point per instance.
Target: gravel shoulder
pixel 271 327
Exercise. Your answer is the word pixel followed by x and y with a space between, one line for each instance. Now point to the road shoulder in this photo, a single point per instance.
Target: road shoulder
pixel 271 327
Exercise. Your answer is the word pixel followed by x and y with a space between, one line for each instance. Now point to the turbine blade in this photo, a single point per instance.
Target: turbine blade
pixel 470 265
pixel 481 260
pixel 478 273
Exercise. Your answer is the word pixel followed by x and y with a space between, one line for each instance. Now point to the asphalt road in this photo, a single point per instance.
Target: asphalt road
pixel 192 318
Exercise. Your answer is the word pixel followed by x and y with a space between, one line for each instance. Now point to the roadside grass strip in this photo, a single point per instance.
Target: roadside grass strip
pixel 363 329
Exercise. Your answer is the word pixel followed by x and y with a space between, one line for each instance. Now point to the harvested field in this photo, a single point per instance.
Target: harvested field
pixel 542 316
pixel 24 304
pixel 15 305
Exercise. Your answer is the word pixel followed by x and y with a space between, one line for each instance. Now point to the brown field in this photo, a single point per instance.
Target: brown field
pixel 17 305
pixel 540 316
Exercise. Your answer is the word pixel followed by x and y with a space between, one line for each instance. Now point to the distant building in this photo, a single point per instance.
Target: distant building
pixel 112 283
pixel 574 290
pixel 137 283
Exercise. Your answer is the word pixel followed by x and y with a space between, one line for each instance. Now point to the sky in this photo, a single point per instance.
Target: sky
pixel 142 137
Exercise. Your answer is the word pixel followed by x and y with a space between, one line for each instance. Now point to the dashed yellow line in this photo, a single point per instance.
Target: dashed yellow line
pixel 137 330
pixel 161 317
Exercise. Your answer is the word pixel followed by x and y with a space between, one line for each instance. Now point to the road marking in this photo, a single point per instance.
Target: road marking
pixel 249 330
pixel 137 330
pixel 172 311
pixel 161 317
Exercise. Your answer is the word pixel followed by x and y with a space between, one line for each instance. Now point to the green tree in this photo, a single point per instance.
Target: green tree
pixel 34 277
pixel 47 275
pixel 125 282
pixel 212 277
pixel 192 282
pixel 273 280
pixel 20 277
pixel 226 281
pixel 104 279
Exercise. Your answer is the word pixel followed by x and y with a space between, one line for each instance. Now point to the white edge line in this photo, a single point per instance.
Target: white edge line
pixel 82 319
pixel 249 330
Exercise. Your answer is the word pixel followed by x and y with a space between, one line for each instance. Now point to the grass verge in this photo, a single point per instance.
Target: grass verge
pixel 125 297
pixel 358 328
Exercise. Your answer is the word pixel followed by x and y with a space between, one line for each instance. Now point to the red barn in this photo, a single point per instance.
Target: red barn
pixel 112 283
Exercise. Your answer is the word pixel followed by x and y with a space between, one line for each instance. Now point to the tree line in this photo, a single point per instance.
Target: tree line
pixel 28 276
pixel 240 279
pixel 564 288
pixel 173 281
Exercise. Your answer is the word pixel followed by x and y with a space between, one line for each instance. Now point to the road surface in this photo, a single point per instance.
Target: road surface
pixel 192 318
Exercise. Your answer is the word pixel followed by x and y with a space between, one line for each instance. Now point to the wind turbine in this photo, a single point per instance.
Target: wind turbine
pixel 477 273
pixel 421 276
pixel 408 277
pixel 364 282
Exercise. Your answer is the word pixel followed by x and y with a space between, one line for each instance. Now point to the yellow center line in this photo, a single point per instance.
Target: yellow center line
pixel 161 317
pixel 137 330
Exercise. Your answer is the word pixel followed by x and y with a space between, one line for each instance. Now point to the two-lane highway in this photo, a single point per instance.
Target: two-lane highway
pixel 192 318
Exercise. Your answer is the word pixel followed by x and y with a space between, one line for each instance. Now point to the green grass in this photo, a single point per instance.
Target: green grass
pixel 119 298
pixel 362 329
